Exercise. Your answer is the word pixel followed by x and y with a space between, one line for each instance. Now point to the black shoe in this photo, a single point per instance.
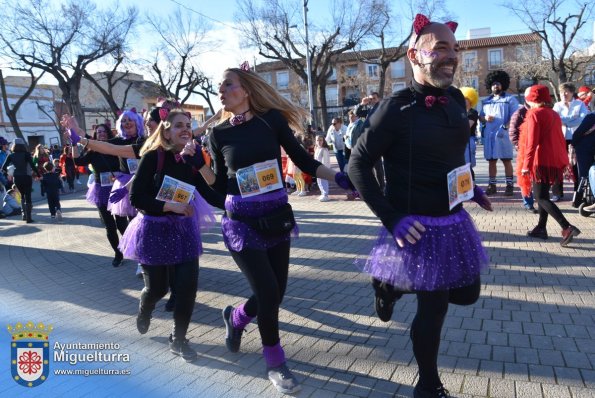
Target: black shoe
pixel 117 261
pixel 491 190
pixel 384 302
pixel 538 232
pixel 509 191
pixel 171 303
pixel 436 392
pixel 143 322
pixel 181 348
pixel 233 336
pixel 283 380
pixel 384 308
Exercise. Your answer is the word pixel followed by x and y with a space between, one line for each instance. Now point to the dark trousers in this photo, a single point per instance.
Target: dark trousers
pixel 156 279
pixel 558 187
pixel 24 185
pixel 113 224
pixel 266 271
pixel 53 202
pixel 427 327
pixel 547 207
pixel 340 159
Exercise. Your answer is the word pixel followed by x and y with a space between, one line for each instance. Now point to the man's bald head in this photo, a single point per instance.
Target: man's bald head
pixel 433 55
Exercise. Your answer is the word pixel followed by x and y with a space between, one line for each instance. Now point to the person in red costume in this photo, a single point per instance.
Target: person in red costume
pixel 545 160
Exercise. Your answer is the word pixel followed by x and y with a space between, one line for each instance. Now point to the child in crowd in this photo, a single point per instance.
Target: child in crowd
pixel 51 185
pixel 323 156
pixel 58 171
pixel 10 206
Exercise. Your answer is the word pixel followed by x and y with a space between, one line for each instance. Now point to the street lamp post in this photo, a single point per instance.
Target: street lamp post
pixel 308 63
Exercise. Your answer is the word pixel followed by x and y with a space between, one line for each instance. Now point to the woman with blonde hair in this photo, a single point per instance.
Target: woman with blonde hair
pixel 165 236
pixel 246 149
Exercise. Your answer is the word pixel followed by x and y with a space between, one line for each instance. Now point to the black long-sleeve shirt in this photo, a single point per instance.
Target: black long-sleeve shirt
pixel 23 163
pixel 419 145
pixel 126 141
pixel 101 163
pixel 144 187
pixel 257 140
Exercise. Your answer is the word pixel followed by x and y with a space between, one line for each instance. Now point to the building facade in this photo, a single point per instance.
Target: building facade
pixel 36 116
pixel 353 78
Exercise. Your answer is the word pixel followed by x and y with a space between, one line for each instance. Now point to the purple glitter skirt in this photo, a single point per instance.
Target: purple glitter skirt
pixel 449 255
pixel 98 195
pixel 167 240
pixel 238 235
pixel 123 208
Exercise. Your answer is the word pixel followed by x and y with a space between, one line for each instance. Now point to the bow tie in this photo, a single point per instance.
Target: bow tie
pixel 431 100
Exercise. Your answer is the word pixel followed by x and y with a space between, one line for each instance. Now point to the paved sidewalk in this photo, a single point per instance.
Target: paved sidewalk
pixel 531 334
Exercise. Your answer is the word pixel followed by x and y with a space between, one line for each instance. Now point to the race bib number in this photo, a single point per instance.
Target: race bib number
pixel 460 185
pixel 132 165
pixel 175 191
pixel 106 179
pixel 259 178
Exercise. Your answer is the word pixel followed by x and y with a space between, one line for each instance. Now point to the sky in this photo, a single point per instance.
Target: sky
pixel 221 15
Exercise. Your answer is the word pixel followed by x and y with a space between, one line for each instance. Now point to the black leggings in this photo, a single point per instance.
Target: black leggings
pixel 156 284
pixel 24 185
pixel 266 271
pixel 546 206
pixel 113 224
pixel 427 327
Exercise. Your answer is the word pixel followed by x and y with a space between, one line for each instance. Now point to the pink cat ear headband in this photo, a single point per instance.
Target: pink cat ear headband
pixel 421 21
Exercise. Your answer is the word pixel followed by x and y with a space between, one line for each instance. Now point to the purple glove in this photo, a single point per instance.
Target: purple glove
pixel 343 181
pixel 74 137
pixel 479 197
pixel 402 229
pixel 118 195
pixel 196 161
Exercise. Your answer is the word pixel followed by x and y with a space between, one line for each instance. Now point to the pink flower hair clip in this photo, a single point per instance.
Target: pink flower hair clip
pixel 245 66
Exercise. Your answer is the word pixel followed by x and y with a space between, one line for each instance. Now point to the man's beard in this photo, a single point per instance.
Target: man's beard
pixel 497 92
pixel 436 77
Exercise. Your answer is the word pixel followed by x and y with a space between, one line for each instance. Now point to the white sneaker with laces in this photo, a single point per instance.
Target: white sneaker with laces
pixel 303 193
pixel 324 198
pixel 58 215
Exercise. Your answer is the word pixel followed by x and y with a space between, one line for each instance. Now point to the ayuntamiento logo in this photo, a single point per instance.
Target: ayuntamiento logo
pixel 30 353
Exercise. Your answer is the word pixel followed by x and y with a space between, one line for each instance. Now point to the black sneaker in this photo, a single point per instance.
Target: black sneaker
pixel 143 322
pixel 436 392
pixel 538 232
pixel 233 336
pixel 509 190
pixel 531 209
pixel 491 190
pixel 181 348
pixel 117 261
pixel 283 380
pixel 385 297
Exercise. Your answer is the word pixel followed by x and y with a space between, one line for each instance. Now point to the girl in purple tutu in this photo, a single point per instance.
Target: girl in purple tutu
pixel 165 235
pixel 428 244
pixel 246 151
pixel 105 170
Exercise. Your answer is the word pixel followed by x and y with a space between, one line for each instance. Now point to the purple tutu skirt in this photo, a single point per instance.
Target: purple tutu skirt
pixel 167 240
pixel 238 235
pixel 449 255
pixel 98 195
pixel 123 208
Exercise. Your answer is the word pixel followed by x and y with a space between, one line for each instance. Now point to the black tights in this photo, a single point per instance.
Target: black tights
pixel 113 224
pixel 156 284
pixel 546 206
pixel 427 327
pixel 266 271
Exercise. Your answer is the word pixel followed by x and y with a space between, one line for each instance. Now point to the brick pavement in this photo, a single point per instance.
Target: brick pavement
pixel 530 334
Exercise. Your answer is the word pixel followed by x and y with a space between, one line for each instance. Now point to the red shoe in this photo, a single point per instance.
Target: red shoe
pixel 568 234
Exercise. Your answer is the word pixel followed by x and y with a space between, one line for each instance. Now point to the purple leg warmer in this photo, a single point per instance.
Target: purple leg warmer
pixel 239 317
pixel 273 355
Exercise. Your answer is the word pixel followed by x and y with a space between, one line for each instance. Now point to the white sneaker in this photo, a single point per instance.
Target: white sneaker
pixel 295 193
pixel 58 215
pixel 323 198
pixel 303 193
pixel 79 182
